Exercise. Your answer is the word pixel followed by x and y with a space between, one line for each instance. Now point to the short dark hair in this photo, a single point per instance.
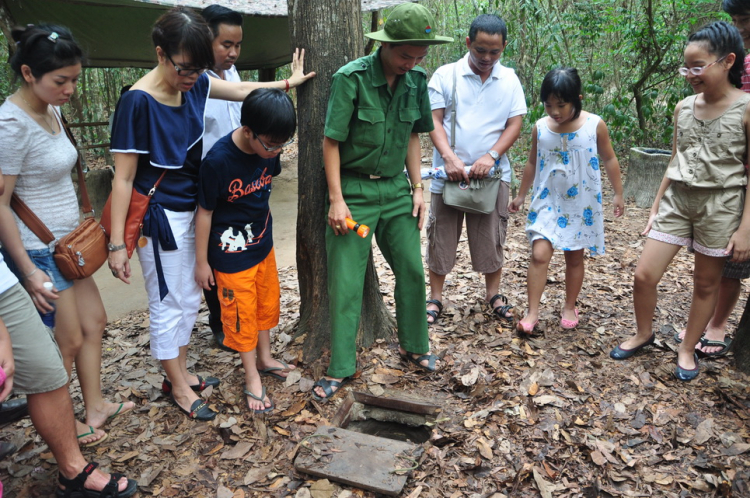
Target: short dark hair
pixel 270 112
pixel 721 39
pixel 218 14
pixel 488 23
pixel 44 48
pixel 736 7
pixel 181 30
pixel 565 84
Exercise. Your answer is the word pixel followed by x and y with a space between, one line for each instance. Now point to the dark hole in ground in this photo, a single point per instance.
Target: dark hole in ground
pixel 391 430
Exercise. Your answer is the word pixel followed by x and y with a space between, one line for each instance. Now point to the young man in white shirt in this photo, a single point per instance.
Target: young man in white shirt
pixel 489 114
pixel 222 116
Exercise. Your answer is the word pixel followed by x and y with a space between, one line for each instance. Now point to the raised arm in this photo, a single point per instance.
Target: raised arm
pixel 227 90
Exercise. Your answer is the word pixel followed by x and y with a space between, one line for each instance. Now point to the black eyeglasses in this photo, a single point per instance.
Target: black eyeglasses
pixel 275 147
pixel 185 72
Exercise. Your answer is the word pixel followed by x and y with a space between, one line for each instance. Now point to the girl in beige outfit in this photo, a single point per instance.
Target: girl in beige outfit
pixel 701 202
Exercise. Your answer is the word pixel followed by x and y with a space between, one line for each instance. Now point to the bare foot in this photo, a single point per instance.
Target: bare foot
pixel 85 437
pixel 98 480
pixel 433 307
pixel 274 368
pixel 258 401
pixel 320 392
pixel 634 342
pixel 185 399
pixel 98 416
pixel 425 363
pixel 712 334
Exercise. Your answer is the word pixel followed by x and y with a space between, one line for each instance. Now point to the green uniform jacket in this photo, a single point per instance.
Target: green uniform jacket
pixel 373 124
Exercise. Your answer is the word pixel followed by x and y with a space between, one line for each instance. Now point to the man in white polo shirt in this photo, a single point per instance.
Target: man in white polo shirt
pixel 490 110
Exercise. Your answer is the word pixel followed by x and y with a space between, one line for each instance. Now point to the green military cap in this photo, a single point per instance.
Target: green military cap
pixel 411 24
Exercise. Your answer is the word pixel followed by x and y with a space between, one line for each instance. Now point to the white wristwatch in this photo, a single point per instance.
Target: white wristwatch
pixel 493 154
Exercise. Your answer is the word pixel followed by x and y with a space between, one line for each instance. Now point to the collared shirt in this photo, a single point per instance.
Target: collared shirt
pixel 222 116
pixel 372 123
pixel 482 112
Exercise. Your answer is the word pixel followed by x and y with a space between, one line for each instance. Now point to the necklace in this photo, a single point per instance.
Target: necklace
pixel 39 114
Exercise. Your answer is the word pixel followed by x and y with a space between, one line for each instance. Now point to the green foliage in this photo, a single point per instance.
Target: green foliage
pixel 626 51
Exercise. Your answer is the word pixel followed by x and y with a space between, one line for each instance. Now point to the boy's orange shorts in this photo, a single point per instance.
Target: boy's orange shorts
pixel 250 301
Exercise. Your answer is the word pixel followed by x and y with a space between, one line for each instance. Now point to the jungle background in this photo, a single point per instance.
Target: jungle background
pixel 551 416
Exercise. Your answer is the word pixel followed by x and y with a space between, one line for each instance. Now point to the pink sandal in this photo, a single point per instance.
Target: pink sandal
pixel 526 329
pixel 569 324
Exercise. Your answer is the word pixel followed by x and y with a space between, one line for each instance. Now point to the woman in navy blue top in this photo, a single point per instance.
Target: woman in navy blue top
pixel 158 127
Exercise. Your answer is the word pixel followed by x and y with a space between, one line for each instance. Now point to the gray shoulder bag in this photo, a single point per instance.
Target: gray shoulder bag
pixel 480 195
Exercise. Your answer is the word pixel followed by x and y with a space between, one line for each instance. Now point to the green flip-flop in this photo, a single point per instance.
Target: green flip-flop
pixel 270 371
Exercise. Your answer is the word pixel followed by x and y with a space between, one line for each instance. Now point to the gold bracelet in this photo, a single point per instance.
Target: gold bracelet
pixel 416 186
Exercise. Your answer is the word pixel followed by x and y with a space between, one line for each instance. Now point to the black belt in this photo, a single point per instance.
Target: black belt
pixel 364 175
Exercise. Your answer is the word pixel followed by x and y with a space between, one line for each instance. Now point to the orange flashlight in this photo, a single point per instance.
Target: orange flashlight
pixel 362 230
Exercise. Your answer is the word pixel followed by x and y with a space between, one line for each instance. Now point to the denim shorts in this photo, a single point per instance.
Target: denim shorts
pixel 45 261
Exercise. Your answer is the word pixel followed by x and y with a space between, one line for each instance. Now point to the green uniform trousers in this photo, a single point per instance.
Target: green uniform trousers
pixel 385 205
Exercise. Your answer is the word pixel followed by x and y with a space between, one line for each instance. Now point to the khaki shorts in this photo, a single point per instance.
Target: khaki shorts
pixel 39 364
pixel 250 301
pixel 703 219
pixel 486 233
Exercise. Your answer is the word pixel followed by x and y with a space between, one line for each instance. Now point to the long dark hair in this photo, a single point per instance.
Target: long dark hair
pixel 565 84
pixel 44 48
pixel 721 39
pixel 181 30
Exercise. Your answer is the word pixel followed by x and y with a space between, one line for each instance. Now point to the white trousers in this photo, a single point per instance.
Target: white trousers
pixel 172 319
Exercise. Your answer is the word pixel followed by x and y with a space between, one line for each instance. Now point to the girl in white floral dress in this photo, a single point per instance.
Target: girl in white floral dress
pixel 566 202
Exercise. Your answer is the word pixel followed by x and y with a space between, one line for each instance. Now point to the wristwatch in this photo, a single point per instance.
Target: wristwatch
pixel 416 185
pixel 493 154
pixel 113 248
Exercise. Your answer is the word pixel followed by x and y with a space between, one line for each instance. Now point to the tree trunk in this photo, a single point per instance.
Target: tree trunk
pixel 741 344
pixel 646 169
pixel 331 33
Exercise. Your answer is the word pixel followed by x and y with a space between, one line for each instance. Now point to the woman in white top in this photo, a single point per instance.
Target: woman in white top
pixel 37 158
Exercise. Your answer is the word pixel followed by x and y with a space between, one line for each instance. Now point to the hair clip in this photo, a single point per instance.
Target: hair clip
pixel 53 37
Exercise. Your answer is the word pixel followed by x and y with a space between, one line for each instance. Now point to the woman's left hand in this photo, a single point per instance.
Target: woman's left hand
pixel 119 264
pixel 298 69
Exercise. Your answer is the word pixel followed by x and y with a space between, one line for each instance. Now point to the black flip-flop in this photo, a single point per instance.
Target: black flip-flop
pixel 434 314
pixel 724 345
pixel 501 312
pixel 327 386
pixel 199 410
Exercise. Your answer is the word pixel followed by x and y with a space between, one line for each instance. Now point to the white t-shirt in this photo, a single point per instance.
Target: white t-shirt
pixel 42 164
pixel 222 116
pixel 482 113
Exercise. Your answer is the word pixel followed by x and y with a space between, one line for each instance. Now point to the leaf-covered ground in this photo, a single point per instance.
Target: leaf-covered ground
pixel 551 416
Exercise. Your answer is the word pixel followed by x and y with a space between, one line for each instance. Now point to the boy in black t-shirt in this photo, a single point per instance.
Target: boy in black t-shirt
pixel 233 236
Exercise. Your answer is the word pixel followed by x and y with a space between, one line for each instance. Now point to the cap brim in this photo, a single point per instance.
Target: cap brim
pixel 381 36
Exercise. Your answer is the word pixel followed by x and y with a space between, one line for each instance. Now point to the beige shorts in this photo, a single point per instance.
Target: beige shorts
pixel 39 364
pixel 486 234
pixel 703 219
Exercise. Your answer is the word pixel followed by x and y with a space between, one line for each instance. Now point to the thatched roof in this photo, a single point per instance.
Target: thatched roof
pixel 272 8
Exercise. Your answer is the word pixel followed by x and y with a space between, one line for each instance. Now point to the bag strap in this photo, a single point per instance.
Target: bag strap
pixel 30 219
pixel 25 213
pixel 87 208
pixel 453 109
